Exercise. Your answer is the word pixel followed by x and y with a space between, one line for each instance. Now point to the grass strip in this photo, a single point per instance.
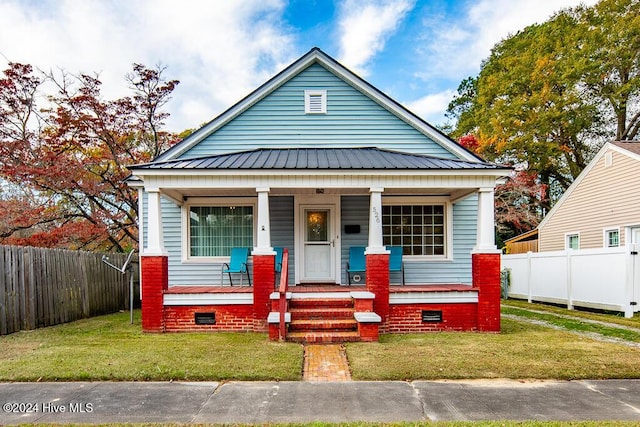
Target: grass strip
pixel 611 317
pixel 575 324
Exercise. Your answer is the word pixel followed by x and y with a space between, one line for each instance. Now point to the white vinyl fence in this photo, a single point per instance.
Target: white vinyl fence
pixel 606 278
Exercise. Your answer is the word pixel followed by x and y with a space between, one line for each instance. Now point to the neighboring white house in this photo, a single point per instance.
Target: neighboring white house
pixel 588 243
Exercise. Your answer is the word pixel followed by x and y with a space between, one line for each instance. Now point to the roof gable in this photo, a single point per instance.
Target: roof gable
pixel 629 149
pixel 317 65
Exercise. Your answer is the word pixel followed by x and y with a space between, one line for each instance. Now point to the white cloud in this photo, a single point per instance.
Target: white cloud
pixel 219 50
pixel 364 28
pixel 460 46
pixel 432 106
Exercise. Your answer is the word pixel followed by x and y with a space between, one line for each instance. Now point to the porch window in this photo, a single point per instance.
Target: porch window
pixel 214 230
pixel 419 229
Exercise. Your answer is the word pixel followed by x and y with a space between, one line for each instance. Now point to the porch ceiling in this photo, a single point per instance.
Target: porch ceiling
pixel 181 194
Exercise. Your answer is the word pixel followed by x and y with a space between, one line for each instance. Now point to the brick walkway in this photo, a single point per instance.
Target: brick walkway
pixel 325 362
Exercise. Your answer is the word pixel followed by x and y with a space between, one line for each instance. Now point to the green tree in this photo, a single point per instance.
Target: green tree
pixel 611 62
pixel 546 97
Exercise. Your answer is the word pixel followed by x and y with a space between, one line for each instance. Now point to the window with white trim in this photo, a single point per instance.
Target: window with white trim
pixel 612 238
pixel 419 229
pixel 315 101
pixel 572 241
pixel 214 230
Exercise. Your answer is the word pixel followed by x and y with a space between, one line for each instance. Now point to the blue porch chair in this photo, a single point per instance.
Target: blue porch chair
pixel 278 266
pixel 395 260
pixel 357 262
pixel 237 264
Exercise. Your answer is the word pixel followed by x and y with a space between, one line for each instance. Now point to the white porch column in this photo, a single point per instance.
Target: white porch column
pixel 485 237
pixel 155 240
pixel 263 245
pixel 375 223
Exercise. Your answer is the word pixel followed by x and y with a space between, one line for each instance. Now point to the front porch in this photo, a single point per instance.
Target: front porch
pixel 323 313
pixel 442 222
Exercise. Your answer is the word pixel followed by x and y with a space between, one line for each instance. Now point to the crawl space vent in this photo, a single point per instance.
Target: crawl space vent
pixel 205 318
pixel 431 316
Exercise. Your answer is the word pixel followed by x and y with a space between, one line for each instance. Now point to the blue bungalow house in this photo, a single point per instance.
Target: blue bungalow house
pixel 322 166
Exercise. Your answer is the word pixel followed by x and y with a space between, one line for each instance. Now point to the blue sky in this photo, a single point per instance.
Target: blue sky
pixel 416 51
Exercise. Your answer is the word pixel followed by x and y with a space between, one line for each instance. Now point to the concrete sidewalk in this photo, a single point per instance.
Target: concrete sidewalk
pixel 265 402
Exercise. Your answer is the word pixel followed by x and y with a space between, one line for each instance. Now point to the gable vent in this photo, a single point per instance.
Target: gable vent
pixel 608 159
pixel 315 101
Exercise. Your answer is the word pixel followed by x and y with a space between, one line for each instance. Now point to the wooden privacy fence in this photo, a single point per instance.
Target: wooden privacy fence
pixel 44 287
pixel 522 247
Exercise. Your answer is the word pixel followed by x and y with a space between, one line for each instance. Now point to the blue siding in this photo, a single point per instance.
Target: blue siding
pixel 282 229
pixel 352 120
pixel 355 211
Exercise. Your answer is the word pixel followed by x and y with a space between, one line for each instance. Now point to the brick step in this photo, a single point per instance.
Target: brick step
pixel 320 313
pixel 320 302
pixel 324 325
pixel 319 337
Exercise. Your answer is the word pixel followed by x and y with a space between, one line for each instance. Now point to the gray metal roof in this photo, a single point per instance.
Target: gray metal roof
pixel 318 158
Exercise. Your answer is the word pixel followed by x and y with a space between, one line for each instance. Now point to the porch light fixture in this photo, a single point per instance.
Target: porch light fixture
pixel 319 190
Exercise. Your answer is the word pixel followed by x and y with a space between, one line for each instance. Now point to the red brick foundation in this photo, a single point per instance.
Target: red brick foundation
pixel 407 318
pixel 231 317
pixel 155 280
pixel 274 332
pixel 486 277
pixel 263 284
pixel 377 266
pixel 368 332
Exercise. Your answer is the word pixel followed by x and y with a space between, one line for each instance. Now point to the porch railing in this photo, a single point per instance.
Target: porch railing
pixel 282 290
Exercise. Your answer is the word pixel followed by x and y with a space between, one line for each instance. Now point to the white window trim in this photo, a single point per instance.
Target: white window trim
pixel 448 224
pixel 605 236
pixel 566 240
pixel 211 201
pixel 628 233
pixel 323 101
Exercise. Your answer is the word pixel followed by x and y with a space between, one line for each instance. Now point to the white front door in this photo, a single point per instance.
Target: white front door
pixel 317 223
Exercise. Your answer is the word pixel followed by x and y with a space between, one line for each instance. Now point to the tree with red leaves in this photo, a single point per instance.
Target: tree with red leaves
pixel 65 166
pixel 519 202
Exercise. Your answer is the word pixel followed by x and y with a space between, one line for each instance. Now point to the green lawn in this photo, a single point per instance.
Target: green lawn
pixel 109 348
pixel 520 351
